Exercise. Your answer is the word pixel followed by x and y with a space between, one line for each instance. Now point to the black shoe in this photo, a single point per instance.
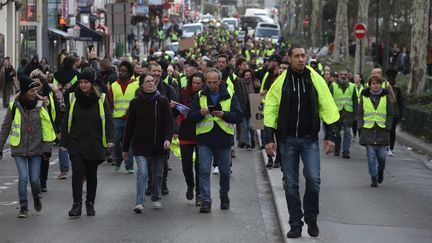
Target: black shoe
pixel 90 209
pixel 313 229
pixel 148 190
pixel 336 153
pixel 262 147
pixel 248 147
pixel 241 145
pixel 374 181
pixel 380 176
pixel 75 212
pixel 198 201
pixel 23 212
pixel 37 203
pixel 295 232
pixel 225 202
pixel 270 162
pixel 44 189
pixel 165 190
pixel 276 164
pixel 253 144
pixel 346 155
pixel 189 193
pixel 205 208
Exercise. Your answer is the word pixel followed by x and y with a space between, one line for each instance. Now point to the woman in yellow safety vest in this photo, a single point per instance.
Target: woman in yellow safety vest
pixel 87 132
pixel 375 118
pixel 46 93
pixel 30 131
pixel 359 87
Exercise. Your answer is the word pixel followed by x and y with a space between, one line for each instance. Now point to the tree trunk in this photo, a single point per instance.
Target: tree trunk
pixel 341 33
pixel 291 16
pixel 315 22
pixel 386 32
pixel 360 55
pixel 300 27
pixel 419 35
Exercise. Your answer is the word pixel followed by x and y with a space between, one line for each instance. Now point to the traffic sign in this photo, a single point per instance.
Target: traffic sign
pixel 306 22
pixel 360 31
pixel 165 18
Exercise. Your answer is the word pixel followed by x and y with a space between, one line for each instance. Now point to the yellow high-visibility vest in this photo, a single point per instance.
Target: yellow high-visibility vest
pixel 207 124
pixel 72 101
pixel 48 133
pixel 372 115
pixel 121 101
pixel 342 99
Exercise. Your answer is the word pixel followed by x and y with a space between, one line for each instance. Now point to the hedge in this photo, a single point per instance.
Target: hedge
pixel 418 121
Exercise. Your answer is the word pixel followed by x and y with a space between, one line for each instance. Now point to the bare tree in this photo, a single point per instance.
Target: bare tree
pixel 315 22
pixel 341 33
pixel 419 36
pixel 300 27
pixel 387 10
pixel 360 55
pixel 291 15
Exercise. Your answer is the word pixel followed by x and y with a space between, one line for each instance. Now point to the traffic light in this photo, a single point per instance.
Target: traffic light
pixel 61 23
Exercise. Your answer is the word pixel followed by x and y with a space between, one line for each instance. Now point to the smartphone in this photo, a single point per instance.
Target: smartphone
pixel 211 108
pixel 90 47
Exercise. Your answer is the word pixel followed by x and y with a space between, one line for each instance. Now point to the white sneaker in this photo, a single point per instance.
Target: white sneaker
pixel 139 208
pixel 157 205
pixel 390 153
pixel 216 170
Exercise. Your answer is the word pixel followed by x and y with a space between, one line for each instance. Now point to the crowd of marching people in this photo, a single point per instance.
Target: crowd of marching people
pixel 195 104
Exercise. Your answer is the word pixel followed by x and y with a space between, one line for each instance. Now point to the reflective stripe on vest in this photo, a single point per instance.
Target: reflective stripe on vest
pixel 183 81
pixel 230 83
pixel 342 99
pixel 358 92
pixel 73 80
pixel 264 81
pixel 121 101
pixel 207 124
pixel 372 115
pixel 52 106
pixel 48 133
pixel 101 101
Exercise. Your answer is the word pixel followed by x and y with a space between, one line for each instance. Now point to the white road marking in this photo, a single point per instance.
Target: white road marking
pixel 8 183
pixel 3 187
pixel 8 203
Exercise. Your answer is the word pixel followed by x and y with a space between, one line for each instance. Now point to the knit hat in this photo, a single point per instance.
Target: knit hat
pixel 87 74
pixel 26 84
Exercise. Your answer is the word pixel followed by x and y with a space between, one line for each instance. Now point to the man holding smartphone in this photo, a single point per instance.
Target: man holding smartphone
pixel 215 110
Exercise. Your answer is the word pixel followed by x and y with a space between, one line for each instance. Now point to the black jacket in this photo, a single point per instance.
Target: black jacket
pixel 85 136
pixel 216 138
pixel 309 120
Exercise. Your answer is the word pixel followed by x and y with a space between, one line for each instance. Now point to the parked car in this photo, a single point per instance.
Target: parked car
pixel 190 29
pixel 267 30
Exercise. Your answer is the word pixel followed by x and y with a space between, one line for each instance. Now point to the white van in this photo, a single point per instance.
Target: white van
pixel 256 12
pixel 267 30
pixel 232 23
pixel 190 29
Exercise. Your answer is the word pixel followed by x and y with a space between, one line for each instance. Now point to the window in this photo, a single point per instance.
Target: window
pixel 29 11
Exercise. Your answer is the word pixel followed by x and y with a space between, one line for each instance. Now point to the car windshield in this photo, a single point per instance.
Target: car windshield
pixel 192 28
pixel 173 47
pixel 267 33
pixel 230 22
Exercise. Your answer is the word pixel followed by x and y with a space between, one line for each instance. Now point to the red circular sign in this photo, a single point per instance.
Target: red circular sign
pixel 306 22
pixel 360 31
pixel 165 18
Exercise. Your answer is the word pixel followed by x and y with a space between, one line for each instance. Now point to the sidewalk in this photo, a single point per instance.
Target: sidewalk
pixel 275 180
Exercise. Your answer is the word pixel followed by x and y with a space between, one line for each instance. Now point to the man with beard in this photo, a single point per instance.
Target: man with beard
pixel 345 97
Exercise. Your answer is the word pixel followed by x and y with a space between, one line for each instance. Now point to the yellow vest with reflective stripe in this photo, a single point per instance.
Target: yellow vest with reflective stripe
pixel 207 124
pixel 121 101
pixel 230 83
pixel 48 133
pixel 52 106
pixel 264 81
pixel 342 99
pixel 372 115
pixel 101 101
pixel 358 92
pixel 183 81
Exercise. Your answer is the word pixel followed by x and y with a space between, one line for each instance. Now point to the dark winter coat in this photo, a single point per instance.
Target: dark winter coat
pixel 85 137
pixel 216 138
pixel 187 127
pixel 375 135
pixel 149 124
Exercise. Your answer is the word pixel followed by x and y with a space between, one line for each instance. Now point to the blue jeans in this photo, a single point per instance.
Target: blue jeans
pixel 206 155
pixel 141 179
pixel 119 126
pixel 157 166
pixel 375 153
pixel 28 167
pixel 64 160
pixel 246 131
pixel 346 143
pixel 292 149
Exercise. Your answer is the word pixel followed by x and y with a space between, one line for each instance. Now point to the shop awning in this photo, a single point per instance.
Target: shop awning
pixel 60 33
pixel 87 34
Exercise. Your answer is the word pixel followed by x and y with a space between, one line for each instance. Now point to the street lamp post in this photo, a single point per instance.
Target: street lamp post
pixel 376 32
